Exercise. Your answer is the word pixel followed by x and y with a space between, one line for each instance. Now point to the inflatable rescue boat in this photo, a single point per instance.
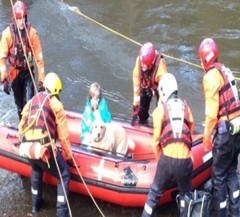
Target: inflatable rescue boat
pixel 124 181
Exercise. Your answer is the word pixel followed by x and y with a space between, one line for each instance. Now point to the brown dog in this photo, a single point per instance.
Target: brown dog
pixel 111 137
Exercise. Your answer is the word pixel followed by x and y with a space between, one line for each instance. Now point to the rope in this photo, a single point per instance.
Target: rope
pixel 35 87
pixel 76 10
pixel 85 185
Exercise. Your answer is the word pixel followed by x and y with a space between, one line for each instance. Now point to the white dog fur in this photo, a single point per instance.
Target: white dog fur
pixel 111 137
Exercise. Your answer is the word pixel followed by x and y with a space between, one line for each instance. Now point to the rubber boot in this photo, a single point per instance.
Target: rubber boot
pixel 36 204
pixel 62 212
pixel 148 211
pixel 183 203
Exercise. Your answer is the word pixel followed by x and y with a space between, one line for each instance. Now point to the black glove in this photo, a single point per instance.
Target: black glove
pixel 70 163
pixel 6 86
pixel 135 117
pixel 40 87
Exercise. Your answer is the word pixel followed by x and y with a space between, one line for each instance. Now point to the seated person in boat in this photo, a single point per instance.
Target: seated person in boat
pixel 172 139
pixel 95 108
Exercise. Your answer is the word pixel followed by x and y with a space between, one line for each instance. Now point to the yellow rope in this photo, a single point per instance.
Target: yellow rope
pixel 76 10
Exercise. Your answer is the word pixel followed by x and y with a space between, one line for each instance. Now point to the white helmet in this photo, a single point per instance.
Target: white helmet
pixel 167 86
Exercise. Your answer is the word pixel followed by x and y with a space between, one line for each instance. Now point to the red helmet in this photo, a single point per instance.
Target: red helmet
pixel 147 55
pixel 208 52
pixel 19 10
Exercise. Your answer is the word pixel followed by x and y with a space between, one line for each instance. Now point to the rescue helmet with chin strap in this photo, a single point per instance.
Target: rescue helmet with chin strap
pixel 147 55
pixel 52 83
pixel 167 86
pixel 19 10
pixel 208 52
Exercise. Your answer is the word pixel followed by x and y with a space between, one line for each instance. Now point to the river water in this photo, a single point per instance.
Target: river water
pixel 81 51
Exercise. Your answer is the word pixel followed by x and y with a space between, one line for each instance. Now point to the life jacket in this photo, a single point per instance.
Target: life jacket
pixel 40 121
pixel 228 95
pixel 16 55
pixel 34 151
pixel 147 77
pixel 175 126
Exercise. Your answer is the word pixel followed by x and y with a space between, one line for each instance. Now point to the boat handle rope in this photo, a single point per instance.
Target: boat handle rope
pixel 77 11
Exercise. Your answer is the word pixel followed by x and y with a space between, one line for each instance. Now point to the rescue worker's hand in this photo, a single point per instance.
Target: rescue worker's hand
pixel 94 102
pixel 135 117
pixel 40 87
pixel 70 162
pixel 6 86
pixel 207 145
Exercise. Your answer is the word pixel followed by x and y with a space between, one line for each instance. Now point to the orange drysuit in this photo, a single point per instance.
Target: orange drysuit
pixel 212 84
pixel 7 43
pixel 137 80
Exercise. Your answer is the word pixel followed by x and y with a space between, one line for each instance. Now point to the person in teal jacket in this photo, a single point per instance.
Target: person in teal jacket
pixel 95 108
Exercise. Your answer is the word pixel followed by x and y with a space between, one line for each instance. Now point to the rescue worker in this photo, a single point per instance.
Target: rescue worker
pixel 222 108
pixel 172 138
pixel 20 40
pixel 43 120
pixel 149 67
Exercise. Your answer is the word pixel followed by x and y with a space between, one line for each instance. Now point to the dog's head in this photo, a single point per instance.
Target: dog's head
pixel 98 131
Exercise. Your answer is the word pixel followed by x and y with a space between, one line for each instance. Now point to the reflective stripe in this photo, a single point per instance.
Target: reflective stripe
pixel 207 157
pixel 148 209
pixel 182 203
pixel 136 98
pixel 2 55
pixel 61 198
pixel 40 55
pixel 135 89
pixel 3 68
pixel 236 194
pixel 223 204
pixel 34 192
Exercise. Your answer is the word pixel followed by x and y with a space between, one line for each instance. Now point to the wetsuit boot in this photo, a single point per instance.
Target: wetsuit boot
pixel 36 204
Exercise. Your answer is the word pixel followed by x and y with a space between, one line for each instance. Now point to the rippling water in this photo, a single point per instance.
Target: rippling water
pixel 82 52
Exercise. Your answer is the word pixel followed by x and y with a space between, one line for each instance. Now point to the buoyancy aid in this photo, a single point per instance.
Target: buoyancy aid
pixel 228 95
pixel 16 55
pixel 34 151
pixel 147 77
pixel 40 121
pixel 175 126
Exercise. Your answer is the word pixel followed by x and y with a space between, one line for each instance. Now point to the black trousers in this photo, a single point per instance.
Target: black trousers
pixel 224 175
pixel 145 100
pixel 38 166
pixel 167 169
pixel 23 90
